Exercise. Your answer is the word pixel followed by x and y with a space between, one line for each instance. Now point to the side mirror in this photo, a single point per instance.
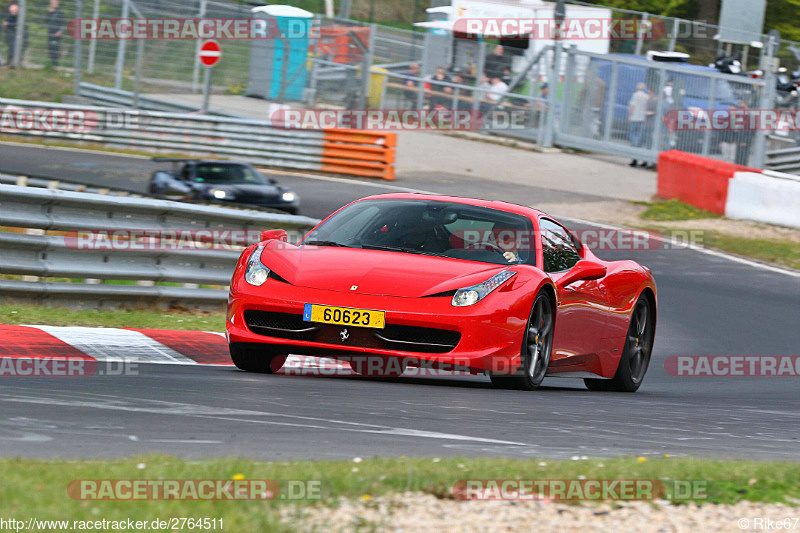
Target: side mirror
pixel 273 181
pixel 582 271
pixel 275 234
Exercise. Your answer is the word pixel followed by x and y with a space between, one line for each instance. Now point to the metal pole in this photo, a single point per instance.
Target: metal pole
pixel 366 69
pixel 758 152
pixel 137 85
pixel 611 99
pixel 284 68
pixel 78 50
pixel 566 93
pixel 638 51
pixel 555 74
pixel 121 50
pixel 479 65
pixel 196 71
pixel 206 89
pixel 659 127
pixel 712 96
pixel 673 38
pixel 93 42
pixel 19 38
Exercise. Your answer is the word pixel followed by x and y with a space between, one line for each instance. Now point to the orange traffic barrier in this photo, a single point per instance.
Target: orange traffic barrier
pixel 359 153
pixel 696 180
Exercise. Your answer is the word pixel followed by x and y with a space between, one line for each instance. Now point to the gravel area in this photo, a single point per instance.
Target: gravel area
pixel 412 512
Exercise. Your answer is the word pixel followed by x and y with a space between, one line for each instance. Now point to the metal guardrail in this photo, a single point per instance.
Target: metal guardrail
pixel 28 251
pixel 784 160
pixel 341 151
pixel 107 96
pixel 48 183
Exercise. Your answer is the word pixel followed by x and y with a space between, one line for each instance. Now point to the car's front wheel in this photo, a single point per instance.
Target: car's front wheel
pixel 636 354
pixel 537 344
pixel 255 358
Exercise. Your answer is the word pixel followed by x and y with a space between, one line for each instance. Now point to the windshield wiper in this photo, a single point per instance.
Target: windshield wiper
pixel 399 249
pixel 326 243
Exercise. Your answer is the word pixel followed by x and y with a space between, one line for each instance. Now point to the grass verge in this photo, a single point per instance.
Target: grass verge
pixel 670 210
pixel 39 487
pixel 193 320
pixel 779 252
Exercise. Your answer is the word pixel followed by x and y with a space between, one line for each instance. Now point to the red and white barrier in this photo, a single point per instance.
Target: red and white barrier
pixel 729 189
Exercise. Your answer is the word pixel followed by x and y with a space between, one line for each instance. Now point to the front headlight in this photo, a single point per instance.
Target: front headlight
pixel 256 273
pixel 219 194
pixel 288 197
pixel 476 293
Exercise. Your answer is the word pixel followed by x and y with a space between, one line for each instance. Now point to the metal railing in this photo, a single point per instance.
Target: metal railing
pixel 25 250
pixel 258 142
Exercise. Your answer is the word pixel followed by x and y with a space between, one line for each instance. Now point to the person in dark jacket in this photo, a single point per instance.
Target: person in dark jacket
pixel 10 29
pixel 55 29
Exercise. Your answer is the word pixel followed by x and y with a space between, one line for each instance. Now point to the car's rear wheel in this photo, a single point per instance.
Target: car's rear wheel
pixel 636 354
pixel 256 358
pixel 537 344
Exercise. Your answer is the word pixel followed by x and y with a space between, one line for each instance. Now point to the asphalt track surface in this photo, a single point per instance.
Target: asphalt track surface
pixel 708 305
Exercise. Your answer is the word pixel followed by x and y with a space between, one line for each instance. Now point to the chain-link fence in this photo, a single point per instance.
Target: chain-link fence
pixel 639 108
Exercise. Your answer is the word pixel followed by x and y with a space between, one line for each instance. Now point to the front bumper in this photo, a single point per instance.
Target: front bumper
pixel 490 338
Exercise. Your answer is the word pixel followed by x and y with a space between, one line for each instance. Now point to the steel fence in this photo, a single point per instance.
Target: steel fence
pixel 597 109
pixel 160 267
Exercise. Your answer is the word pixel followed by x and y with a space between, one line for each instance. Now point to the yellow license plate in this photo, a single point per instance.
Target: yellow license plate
pixel 344 316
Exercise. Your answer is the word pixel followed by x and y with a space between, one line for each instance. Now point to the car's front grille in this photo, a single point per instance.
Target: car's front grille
pixel 392 337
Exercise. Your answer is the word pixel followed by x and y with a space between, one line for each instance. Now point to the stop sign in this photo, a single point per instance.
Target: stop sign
pixel 210 53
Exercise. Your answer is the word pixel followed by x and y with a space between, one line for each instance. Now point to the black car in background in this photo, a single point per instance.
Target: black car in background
pixel 222 182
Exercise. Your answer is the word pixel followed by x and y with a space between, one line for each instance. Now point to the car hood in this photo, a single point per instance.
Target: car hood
pixel 373 271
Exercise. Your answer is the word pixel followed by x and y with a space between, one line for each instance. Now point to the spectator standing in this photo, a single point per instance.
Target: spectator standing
pixel 55 29
pixel 507 76
pixel 10 28
pixel 463 94
pixel 649 121
pixel 410 94
pixel 637 112
pixel 496 62
pixel 744 139
pixel 496 91
pixel 439 99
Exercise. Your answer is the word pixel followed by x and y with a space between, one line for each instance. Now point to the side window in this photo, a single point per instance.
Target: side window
pixel 559 251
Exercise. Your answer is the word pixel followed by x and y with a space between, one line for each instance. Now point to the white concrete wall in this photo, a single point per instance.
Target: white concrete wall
pixel 771 197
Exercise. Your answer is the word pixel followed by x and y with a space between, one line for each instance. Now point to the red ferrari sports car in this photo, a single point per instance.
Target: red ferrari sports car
pixel 449 282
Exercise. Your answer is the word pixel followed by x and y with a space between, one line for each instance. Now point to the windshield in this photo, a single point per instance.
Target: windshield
pixel 430 227
pixel 221 174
